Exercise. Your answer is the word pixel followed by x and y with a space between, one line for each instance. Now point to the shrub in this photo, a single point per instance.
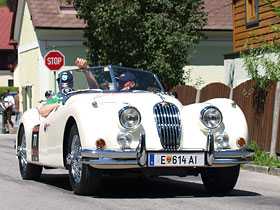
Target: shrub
pixel 262 158
pixel 2 89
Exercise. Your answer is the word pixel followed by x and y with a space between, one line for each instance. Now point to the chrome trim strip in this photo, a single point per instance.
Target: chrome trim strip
pixel 231 161
pixel 233 154
pixel 108 154
pixel 104 161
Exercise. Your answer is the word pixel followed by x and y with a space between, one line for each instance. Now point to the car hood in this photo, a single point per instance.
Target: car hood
pixel 126 98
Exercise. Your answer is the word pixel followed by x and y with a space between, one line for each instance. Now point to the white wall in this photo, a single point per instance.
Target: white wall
pixel 235 72
pixel 5 76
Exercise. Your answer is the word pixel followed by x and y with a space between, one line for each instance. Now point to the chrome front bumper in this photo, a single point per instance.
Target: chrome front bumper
pixel 139 157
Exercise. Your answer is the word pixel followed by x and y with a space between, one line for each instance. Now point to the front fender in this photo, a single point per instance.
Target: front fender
pixel 29 119
pixel 195 133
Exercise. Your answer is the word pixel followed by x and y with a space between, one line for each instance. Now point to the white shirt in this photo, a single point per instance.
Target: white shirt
pixel 9 100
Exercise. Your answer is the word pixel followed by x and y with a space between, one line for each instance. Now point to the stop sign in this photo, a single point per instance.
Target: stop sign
pixel 54 60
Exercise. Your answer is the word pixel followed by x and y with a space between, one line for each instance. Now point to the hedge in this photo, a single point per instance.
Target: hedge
pixel 2 89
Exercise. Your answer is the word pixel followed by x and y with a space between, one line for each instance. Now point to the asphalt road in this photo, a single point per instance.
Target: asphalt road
pixel 53 191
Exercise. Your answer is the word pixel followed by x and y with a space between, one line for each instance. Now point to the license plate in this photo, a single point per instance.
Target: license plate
pixel 179 160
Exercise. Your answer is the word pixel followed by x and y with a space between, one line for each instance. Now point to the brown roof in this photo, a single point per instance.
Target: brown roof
pixel 48 14
pixel 219 14
pixel 5 28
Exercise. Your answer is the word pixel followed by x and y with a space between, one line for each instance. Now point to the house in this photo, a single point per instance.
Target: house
pixel 250 18
pixel 8 52
pixel 40 26
pixel 208 63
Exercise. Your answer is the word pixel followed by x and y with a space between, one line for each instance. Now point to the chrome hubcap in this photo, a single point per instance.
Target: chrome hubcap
pixel 75 159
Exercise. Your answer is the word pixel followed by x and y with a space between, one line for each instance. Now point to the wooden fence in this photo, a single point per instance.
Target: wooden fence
pixel 261 111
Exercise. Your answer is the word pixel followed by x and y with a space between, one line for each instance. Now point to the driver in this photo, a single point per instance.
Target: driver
pixel 126 81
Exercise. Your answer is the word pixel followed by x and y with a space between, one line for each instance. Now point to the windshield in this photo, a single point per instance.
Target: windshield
pixel 107 79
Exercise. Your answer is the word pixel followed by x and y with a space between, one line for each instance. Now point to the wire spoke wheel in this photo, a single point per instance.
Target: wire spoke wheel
pixel 22 153
pixel 28 171
pixel 84 179
pixel 76 165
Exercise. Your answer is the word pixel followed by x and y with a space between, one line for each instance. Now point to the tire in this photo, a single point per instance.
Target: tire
pixel 84 179
pixel 220 180
pixel 28 171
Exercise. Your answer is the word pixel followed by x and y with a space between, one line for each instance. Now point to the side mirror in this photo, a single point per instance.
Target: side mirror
pixel 174 94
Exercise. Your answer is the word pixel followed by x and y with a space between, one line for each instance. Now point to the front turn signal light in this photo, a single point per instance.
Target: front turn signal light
pixel 100 143
pixel 240 142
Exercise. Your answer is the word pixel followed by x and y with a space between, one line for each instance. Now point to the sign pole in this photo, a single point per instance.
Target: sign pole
pixel 54 74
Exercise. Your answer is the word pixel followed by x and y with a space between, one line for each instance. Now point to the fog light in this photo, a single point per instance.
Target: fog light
pixel 124 139
pixel 221 140
pixel 240 142
pixel 100 144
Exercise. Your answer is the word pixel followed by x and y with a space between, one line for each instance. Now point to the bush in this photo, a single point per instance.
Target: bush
pixel 262 158
pixel 3 3
pixel 2 89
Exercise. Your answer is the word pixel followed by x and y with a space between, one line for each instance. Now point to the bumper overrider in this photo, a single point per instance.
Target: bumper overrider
pixel 139 156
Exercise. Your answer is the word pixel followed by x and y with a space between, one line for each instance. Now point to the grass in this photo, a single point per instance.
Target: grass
pixel 262 158
pixel 3 3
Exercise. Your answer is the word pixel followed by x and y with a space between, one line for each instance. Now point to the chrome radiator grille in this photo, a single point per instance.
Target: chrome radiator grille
pixel 167 117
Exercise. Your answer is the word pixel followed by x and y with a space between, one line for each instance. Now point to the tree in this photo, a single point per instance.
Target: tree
pixel 151 35
pixel 261 61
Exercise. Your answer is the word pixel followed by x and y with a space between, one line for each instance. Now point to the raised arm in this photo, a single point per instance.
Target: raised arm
pixel 82 64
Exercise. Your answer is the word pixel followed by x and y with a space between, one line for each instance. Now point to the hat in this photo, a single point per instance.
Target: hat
pixel 127 77
pixel 66 77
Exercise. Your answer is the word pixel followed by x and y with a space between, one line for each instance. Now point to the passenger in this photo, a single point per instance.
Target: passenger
pixel 66 79
pixel 82 64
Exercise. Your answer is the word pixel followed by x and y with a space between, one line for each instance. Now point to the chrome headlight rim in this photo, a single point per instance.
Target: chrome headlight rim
pixel 124 111
pixel 222 140
pixel 203 117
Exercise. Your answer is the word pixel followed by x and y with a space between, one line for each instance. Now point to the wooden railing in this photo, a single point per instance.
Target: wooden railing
pixel 262 113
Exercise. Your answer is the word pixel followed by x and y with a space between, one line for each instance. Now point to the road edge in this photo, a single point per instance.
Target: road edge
pixel 262 169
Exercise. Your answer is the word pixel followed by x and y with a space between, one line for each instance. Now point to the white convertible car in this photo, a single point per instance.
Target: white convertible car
pixel 93 132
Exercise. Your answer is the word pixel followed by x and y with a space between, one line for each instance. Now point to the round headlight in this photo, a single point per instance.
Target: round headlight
pixel 211 117
pixel 129 117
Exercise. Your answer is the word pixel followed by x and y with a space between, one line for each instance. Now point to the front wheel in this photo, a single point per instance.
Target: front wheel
pixel 84 179
pixel 28 171
pixel 220 180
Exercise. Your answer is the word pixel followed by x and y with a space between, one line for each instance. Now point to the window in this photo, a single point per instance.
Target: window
pixel 26 97
pixel 66 7
pixel 65 3
pixel 10 82
pixel 252 12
